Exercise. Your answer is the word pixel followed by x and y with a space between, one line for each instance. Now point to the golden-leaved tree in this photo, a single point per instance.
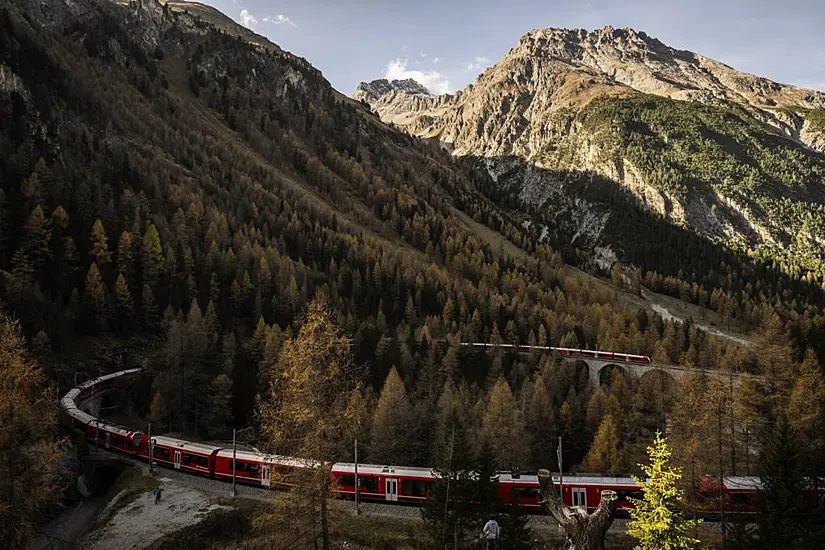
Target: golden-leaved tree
pixel 313 410
pixel 29 444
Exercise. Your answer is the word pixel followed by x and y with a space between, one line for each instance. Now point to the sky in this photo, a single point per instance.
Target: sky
pixel 446 44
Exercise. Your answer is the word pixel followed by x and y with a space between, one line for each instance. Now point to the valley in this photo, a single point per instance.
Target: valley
pixel 298 270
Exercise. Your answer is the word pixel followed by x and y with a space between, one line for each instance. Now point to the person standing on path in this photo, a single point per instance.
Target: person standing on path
pixel 157 494
pixel 491 533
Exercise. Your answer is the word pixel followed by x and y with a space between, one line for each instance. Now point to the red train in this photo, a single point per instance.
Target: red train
pixel 570 352
pixel 378 483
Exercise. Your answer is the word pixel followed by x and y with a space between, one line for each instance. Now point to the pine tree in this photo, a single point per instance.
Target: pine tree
pixel 218 413
pixel 95 295
pixel 789 513
pixel 124 253
pixel 655 522
pixel 158 414
pixel 123 301
pixel 515 533
pixel 100 245
pixel 503 428
pixel 29 444
pixel 605 455
pixel 806 413
pixel 391 423
pixel 451 511
pixel 151 255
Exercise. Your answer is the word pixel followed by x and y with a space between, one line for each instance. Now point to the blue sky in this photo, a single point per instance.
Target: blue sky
pixel 446 44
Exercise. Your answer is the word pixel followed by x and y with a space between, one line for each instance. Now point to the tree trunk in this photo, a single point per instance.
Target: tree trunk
pixel 584 531
pixel 324 521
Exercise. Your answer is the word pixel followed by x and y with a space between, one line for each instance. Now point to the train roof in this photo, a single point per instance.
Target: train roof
pixel 742 483
pixel 99 379
pixel 184 445
pixel 113 428
pixel 77 414
pixel 377 469
pixel 276 460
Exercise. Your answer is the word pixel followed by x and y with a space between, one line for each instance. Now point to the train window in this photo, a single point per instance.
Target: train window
pixel 740 499
pixel 346 481
pixel 414 487
pixel 420 488
pixel 250 468
pixel 529 492
pixel 162 454
pixel 196 461
pixel 368 484
pixel 625 496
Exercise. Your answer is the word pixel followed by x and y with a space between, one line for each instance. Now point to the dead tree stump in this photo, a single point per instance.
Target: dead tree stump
pixel 584 531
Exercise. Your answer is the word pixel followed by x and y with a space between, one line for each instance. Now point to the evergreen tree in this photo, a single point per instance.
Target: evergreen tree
pixel 151 255
pixel 806 413
pixel 451 511
pixel 124 253
pixel 515 533
pixel 790 515
pixel 100 245
pixel 391 423
pixel 655 522
pixel 123 301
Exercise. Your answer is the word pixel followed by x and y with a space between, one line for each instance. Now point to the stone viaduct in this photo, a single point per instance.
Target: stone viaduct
pixel 635 366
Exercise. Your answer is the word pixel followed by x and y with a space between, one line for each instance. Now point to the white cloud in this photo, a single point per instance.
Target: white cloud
pixel 279 19
pixel 423 54
pixel 477 63
pixel 434 81
pixel 436 59
pixel 248 20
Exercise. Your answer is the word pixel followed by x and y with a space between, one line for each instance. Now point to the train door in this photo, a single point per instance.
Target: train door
pixel 177 460
pixel 265 478
pixel 391 489
pixel 108 435
pixel 580 497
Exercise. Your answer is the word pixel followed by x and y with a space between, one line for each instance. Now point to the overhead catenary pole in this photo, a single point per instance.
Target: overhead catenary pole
pixel 234 454
pixel 151 450
pixel 233 463
pixel 357 487
pixel 561 472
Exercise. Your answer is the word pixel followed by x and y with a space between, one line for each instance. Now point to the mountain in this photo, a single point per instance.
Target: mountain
pixel 176 187
pixel 370 91
pixel 735 157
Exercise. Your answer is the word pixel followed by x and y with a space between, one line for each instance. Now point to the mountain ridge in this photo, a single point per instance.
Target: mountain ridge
pixel 694 140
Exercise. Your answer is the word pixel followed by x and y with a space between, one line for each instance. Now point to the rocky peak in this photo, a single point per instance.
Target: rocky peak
pixel 376 89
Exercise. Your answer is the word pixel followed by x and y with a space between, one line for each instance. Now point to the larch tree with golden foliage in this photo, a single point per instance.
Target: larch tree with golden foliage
pixel 392 422
pixel 312 411
pixel 606 455
pixel 29 444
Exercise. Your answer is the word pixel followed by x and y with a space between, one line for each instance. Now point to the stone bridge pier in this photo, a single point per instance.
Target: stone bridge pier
pixel 677 373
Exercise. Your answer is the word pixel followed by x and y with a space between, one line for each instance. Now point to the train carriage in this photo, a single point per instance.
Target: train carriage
pixel 384 483
pixel 182 455
pixel 113 437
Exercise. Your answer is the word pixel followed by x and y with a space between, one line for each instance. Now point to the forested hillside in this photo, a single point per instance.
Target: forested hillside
pixel 167 183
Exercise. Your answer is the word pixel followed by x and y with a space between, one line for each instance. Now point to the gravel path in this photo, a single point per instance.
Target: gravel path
pixel 141 522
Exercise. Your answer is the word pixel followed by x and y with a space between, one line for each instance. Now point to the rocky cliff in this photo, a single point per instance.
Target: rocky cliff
pixel 735 156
